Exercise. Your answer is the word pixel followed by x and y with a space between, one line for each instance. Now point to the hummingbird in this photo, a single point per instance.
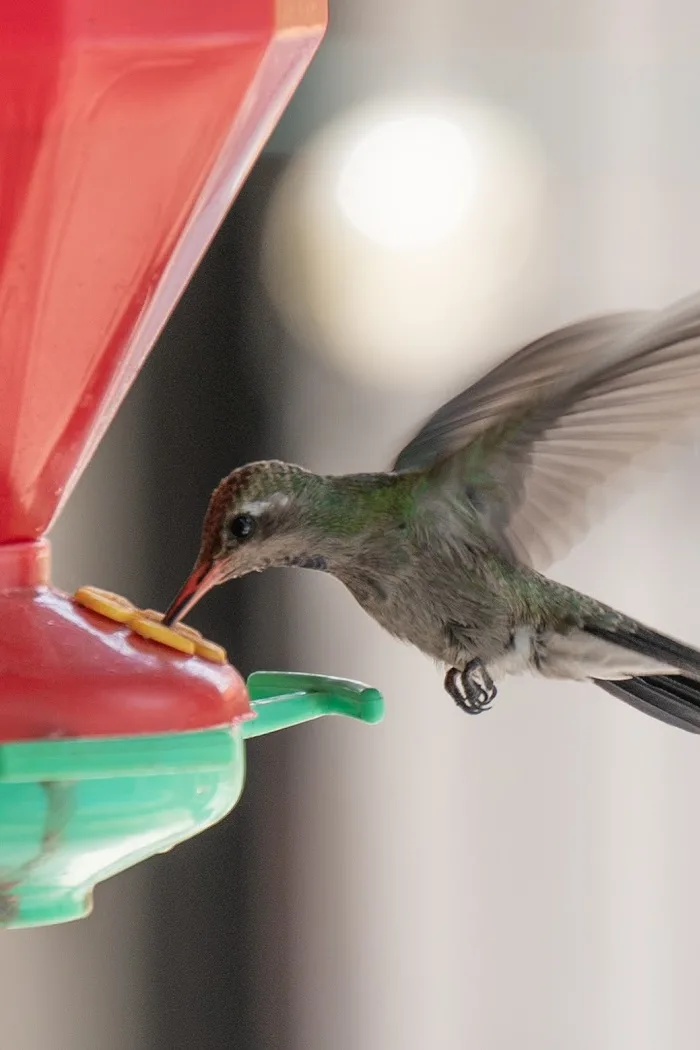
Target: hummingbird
pixel 447 549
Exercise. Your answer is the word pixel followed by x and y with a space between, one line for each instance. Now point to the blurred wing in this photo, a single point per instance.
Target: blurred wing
pixel 532 440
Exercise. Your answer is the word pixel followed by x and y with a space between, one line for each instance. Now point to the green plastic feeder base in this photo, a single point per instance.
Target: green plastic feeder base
pixel 75 812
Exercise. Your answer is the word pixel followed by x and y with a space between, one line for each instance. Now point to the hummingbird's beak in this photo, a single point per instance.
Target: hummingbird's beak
pixel 202 578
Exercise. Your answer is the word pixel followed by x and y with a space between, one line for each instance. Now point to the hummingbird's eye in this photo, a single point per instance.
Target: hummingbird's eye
pixel 241 527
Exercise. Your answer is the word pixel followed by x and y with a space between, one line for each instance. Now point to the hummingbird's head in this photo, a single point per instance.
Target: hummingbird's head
pixel 255 520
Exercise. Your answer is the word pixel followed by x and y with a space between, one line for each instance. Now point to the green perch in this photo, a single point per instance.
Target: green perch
pixel 75 812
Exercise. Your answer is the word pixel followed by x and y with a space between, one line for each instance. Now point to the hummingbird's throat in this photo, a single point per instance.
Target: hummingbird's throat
pixel 306 561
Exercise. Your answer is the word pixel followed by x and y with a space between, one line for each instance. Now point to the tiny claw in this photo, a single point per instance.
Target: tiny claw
pixel 472 689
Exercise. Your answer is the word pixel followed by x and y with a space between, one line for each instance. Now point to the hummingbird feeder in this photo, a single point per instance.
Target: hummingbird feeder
pixel 125 130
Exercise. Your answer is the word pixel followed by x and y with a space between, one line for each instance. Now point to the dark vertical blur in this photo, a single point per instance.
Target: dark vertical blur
pixel 217 906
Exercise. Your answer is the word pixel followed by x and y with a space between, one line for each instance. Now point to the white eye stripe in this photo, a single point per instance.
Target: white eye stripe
pixel 257 507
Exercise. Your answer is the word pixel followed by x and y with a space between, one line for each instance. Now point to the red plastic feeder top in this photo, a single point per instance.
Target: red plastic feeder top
pixel 126 130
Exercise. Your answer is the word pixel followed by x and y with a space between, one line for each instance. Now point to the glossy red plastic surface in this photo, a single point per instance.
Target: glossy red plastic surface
pixel 66 672
pixel 126 128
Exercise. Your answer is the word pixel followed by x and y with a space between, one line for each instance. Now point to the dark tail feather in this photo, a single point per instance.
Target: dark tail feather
pixel 640 639
pixel 674 699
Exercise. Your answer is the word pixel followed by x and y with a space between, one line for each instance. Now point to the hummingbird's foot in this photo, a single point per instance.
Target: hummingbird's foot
pixel 472 689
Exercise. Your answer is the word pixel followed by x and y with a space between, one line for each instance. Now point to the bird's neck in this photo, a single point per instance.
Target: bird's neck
pixel 351 504
pixel 352 513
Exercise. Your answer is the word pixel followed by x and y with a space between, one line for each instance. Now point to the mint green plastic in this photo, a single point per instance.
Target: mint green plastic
pixel 283 699
pixel 75 812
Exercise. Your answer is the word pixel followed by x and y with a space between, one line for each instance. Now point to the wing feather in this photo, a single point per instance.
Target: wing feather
pixel 548 428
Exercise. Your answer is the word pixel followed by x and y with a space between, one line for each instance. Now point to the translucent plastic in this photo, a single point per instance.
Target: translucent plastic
pixel 74 812
pixel 126 129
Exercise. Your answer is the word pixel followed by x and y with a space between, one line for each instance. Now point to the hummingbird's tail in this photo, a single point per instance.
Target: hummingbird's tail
pixel 672 698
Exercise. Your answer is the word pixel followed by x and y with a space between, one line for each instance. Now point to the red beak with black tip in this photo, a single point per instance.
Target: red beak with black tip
pixel 202 578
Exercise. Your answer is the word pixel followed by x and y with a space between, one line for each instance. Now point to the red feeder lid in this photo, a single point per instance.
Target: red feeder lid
pixel 67 672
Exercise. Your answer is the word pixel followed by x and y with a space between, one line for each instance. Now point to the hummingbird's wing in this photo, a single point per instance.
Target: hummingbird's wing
pixel 534 438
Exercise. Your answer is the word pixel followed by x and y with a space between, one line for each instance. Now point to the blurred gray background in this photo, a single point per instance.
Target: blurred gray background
pixel 521 881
